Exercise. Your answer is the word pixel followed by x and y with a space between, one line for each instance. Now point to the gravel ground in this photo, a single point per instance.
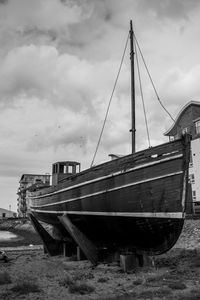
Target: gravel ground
pixel 174 275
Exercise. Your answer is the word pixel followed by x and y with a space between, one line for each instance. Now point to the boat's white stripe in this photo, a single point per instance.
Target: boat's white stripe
pixel 171 215
pixel 110 175
pixel 110 190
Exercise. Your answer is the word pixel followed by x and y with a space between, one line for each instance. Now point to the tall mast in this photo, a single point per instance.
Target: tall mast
pixel 132 88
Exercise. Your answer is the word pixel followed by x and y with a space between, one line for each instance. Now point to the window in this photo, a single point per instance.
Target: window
pixel 191 161
pixel 191 178
pixel 184 130
pixel 197 126
pixel 38 180
pixel 194 195
pixel 69 169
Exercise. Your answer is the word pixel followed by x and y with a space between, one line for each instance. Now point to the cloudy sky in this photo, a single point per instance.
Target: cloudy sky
pixel 58 63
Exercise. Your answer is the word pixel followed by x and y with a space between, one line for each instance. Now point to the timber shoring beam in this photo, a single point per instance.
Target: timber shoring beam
pixel 82 241
pixel 52 246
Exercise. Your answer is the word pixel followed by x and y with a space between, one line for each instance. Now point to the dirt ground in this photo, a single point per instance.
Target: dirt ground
pixel 31 274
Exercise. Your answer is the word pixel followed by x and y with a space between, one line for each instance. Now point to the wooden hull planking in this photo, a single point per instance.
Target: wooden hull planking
pixel 135 201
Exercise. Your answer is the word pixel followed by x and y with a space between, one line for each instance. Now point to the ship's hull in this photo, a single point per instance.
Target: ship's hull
pixel 135 201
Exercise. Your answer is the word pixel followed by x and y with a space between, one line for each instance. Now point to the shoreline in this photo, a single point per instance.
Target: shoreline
pixel 24 230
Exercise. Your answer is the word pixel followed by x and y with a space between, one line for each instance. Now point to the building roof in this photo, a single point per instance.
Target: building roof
pixel 67 162
pixel 3 210
pixel 191 103
pixel 33 175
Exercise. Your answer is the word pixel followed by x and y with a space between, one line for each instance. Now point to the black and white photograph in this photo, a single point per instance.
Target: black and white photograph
pixel 99 149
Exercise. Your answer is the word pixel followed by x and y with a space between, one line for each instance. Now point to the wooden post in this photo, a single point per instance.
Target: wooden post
pixel 129 262
pixel 82 241
pixel 80 254
pixel 51 246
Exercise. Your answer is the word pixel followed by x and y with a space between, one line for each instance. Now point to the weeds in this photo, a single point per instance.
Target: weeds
pixel 83 276
pixel 163 291
pixel 177 285
pixel 138 281
pixel 103 279
pixel 66 281
pixel 75 286
pixel 147 294
pixel 5 278
pixel 81 288
pixel 25 288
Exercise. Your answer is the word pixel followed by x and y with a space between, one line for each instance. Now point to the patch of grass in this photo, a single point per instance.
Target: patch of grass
pixel 148 294
pixel 23 288
pixel 155 280
pixel 162 292
pixel 5 278
pixel 103 279
pixel 66 281
pixel 195 262
pixel 177 285
pixel 192 295
pixel 82 276
pixel 165 280
pixel 138 281
pixel 131 296
pixel 81 288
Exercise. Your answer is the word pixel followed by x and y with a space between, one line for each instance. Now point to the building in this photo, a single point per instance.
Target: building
pixel 188 120
pixel 26 182
pixel 4 213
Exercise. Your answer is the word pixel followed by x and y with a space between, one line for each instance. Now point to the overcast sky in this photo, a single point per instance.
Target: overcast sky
pixel 58 63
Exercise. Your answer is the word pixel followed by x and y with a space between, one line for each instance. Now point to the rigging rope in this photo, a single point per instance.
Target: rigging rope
pixel 153 82
pixel 106 115
pixel 141 92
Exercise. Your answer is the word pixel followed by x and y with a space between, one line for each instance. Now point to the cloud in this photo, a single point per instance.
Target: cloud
pixel 42 14
pixel 58 63
pixel 61 79
pixel 176 9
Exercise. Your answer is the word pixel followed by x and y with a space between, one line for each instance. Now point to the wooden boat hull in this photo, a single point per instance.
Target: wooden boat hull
pixel 135 201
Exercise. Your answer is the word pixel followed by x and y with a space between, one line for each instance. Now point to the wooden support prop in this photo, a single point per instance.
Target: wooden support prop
pixel 131 261
pixel 82 241
pixel 80 254
pixel 52 246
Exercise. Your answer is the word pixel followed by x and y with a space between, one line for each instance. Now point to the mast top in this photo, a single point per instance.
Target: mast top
pixel 132 88
pixel 131 25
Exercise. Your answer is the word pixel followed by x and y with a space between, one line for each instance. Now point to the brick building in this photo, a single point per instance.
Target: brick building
pixel 188 120
pixel 26 182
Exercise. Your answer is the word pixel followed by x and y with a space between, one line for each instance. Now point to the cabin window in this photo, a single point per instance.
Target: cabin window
pixel 197 126
pixel 70 169
pixel 65 169
pixel 55 168
pixel 194 195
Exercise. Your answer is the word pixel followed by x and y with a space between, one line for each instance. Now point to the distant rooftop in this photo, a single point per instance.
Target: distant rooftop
pixel 172 129
pixel 33 175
